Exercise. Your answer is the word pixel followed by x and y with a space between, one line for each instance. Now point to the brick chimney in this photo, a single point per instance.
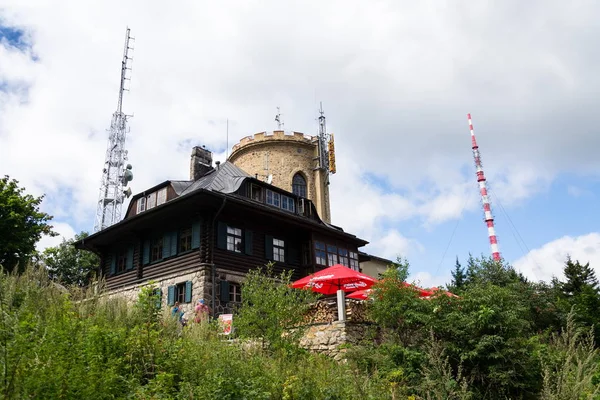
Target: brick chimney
pixel 200 163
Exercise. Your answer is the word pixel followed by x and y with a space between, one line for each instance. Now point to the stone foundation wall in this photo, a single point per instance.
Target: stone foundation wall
pixel 201 283
pixel 329 339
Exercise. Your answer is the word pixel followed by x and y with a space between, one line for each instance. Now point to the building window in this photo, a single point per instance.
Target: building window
pixel 234 239
pixel 121 261
pixel 273 198
pixel 299 185
pixel 331 255
pixel 151 201
pixel 256 193
pixel 320 253
pixel 161 196
pixel 141 204
pixel 180 290
pixel 185 240
pixel 235 292
pixel 157 296
pixel 156 251
pixel 278 250
pixel 343 259
pixel 354 261
pixel 287 203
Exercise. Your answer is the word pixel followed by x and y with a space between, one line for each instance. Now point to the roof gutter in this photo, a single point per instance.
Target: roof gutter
pixel 212 257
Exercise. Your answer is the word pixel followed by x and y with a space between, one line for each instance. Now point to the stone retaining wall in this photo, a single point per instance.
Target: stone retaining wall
pixel 200 284
pixel 329 339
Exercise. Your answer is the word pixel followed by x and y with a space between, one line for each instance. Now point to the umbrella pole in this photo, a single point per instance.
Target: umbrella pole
pixel 341 305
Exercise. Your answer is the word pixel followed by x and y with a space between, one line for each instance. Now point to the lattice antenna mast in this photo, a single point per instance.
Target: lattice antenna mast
pixel 115 174
pixel 487 209
pixel 279 120
pixel 323 138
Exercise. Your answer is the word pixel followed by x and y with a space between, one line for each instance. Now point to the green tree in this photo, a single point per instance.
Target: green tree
pixel 398 309
pixel 578 278
pixel 22 224
pixel 69 265
pixel 459 278
pixel 402 267
pixel 580 291
pixel 270 307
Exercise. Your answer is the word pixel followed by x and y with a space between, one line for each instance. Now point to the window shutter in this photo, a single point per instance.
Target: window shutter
pixel 222 235
pixel 224 297
pixel 146 257
pixel 196 235
pixel 129 264
pixel 188 291
pixel 268 247
pixel 293 255
pixel 159 298
pixel 248 242
pixel 166 245
pixel 113 263
pixel 171 295
pixel 174 243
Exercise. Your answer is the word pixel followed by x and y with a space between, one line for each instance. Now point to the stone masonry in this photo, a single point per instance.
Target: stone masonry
pixel 200 284
pixel 282 155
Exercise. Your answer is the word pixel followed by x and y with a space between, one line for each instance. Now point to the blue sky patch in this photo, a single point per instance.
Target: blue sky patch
pixel 13 36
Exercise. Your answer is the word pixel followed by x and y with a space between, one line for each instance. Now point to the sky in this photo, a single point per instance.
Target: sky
pixel 396 79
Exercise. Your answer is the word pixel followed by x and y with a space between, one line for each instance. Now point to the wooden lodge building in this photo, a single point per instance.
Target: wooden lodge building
pixel 198 238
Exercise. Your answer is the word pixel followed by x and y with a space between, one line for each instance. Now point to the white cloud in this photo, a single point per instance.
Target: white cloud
pixel 396 79
pixel 428 280
pixel 65 231
pixel 548 261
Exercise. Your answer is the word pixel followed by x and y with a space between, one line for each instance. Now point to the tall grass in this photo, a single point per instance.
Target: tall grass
pixel 58 342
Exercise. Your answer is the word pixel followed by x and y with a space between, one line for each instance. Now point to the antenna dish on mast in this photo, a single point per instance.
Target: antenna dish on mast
pixel 269 179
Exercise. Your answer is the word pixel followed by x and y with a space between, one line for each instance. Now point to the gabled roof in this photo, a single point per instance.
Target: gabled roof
pixel 180 186
pixel 226 178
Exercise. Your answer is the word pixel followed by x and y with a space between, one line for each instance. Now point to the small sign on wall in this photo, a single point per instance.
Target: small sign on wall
pixel 226 320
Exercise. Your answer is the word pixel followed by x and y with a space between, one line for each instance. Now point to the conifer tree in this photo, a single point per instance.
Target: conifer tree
pixel 458 277
pixel 578 278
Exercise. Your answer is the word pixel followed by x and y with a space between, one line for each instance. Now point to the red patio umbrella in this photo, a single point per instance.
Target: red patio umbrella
pixel 332 279
pixel 360 294
pixel 364 294
pixel 437 291
pixel 422 292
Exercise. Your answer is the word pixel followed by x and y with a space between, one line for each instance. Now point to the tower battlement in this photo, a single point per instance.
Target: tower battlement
pixel 273 136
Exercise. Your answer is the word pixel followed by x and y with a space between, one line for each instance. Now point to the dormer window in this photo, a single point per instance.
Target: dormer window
pixel 161 196
pixel 273 198
pixel 299 185
pixel 151 201
pixel 256 193
pixel 287 203
pixel 141 204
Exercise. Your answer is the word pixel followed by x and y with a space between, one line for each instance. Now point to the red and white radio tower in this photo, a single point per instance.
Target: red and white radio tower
pixel 489 219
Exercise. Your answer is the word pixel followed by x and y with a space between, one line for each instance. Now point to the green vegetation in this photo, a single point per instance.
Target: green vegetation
pixel 21 224
pixel 69 265
pixel 503 338
pixel 74 345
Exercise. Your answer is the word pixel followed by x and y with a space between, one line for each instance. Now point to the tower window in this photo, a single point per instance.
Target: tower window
pixel 299 185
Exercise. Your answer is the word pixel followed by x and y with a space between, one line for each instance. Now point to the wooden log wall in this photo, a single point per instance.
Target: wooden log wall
pixel 174 264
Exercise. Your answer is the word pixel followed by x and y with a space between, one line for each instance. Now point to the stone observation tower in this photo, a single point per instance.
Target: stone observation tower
pixel 287 160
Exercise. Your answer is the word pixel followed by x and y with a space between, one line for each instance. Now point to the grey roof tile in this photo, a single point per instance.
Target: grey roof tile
pixel 226 179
